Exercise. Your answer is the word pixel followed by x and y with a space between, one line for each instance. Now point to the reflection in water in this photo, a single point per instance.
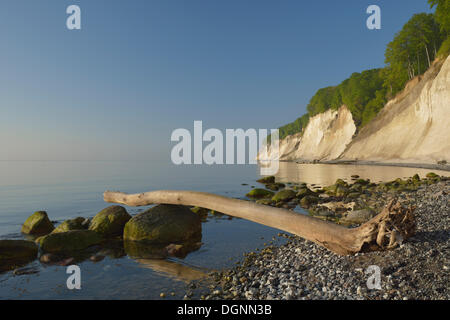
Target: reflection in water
pixel 327 174
pixel 172 269
pixel 142 249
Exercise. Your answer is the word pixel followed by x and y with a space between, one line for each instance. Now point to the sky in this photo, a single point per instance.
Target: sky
pixel 139 69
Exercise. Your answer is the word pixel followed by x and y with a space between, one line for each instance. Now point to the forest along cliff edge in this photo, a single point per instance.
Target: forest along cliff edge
pixel 411 128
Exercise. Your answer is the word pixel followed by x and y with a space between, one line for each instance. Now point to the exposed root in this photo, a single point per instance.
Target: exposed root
pixel 389 228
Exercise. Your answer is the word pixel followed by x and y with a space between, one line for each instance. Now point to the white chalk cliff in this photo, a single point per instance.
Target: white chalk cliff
pixel 412 127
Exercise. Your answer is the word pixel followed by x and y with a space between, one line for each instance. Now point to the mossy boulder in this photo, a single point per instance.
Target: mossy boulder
pixel 71 224
pixel 304 192
pixel 330 190
pixel 284 195
pixel 264 201
pixel 353 195
pixel 267 180
pixel 164 224
pixel 69 241
pixel 341 191
pixel 38 224
pixel 307 201
pixel 340 182
pixel 362 182
pixel 356 188
pixel 400 181
pixel 110 221
pixel 17 249
pixel 260 193
pixel 432 176
pixel 338 190
pixel 275 186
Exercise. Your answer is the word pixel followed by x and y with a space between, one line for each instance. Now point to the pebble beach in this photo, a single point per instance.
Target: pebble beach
pixel 303 270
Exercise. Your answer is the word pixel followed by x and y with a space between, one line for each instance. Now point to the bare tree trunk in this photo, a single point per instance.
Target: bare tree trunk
pixel 428 56
pixel 418 64
pixel 385 231
pixel 410 69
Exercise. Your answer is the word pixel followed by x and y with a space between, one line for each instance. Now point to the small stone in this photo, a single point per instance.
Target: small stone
pixel 359 291
pixel 96 258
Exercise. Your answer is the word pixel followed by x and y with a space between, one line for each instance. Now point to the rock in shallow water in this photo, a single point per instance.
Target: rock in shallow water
pixel 259 193
pixel 17 249
pixel 164 224
pixel 266 180
pixel 284 195
pixel 71 224
pixel 38 224
pixel 307 201
pixel 69 241
pixel 110 221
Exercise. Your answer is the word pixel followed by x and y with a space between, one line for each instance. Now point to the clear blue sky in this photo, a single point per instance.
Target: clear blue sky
pixel 139 69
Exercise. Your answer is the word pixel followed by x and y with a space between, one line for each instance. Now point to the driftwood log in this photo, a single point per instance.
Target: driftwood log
pixel 385 231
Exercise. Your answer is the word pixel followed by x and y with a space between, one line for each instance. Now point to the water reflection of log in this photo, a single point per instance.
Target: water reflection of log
pixel 172 269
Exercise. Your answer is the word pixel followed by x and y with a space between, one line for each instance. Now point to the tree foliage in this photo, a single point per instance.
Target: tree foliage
pixel 442 14
pixel 412 50
pixel 359 92
pixel 410 53
pixel 294 127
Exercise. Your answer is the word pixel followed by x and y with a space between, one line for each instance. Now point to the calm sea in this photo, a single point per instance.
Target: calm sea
pixel 71 189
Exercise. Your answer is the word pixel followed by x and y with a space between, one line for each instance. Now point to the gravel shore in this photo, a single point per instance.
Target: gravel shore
pixel 300 269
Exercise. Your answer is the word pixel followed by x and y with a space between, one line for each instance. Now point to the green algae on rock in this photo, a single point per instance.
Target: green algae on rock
pixel 110 221
pixel 71 224
pixel 68 241
pixel 38 224
pixel 284 195
pixel 308 201
pixel 16 253
pixel 164 224
pixel 264 201
pixel 266 180
pixel 302 192
pixel 260 193
pixel 17 249
pixel 275 186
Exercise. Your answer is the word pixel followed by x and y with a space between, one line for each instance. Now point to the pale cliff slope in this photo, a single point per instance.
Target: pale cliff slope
pixel 413 127
pixel 325 137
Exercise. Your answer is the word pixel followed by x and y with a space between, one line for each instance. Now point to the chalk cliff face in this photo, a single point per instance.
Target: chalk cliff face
pixel 413 127
pixel 325 137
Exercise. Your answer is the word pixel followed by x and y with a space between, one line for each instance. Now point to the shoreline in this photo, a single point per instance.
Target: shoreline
pixel 375 163
pixel 303 270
